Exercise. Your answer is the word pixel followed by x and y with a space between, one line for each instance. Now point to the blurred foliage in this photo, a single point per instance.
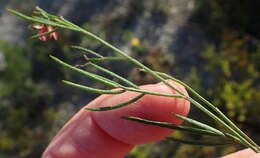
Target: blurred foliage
pixel 30 88
pixel 22 100
pixel 227 73
pixel 217 15
pixel 236 74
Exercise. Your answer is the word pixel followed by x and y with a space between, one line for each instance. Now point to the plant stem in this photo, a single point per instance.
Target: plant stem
pixel 214 108
pixel 226 126
pixel 238 133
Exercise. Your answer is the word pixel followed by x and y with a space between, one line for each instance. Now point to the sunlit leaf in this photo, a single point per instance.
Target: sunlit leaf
pixel 93 90
pixel 106 108
pixel 172 126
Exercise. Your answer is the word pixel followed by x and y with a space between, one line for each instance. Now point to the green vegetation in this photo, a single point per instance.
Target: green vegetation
pixel 25 116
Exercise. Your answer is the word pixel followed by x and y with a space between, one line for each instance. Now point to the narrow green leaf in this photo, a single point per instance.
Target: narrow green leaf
pixel 106 108
pixel 34 19
pixel 42 12
pixel 42 21
pixel 165 77
pixel 46 14
pixel 71 24
pixel 38 13
pixel 88 74
pixel 234 138
pixel 93 90
pixel 241 136
pixel 51 23
pixel 199 124
pixel 113 74
pixel 107 59
pixel 52 17
pixel 87 51
pixel 23 16
pixel 151 93
pixel 44 34
pixel 191 130
pixel 106 79
pixel 200 143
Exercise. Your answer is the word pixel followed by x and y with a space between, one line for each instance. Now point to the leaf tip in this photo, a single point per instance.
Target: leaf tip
pixel 11 11
pixel 125 117
pixel 93 109
pixel 52 57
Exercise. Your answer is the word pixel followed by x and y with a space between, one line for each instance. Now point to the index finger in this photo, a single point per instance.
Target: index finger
pixel 105 134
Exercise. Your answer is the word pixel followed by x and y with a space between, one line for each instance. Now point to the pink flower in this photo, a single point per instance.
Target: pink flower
pixel 43 29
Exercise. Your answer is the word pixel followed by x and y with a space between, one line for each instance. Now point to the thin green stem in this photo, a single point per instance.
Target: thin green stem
pixel 93 90
pixel 113 74
pixel 106 108
pixel 44 34
pixel 112 83
pixel 106 59
pixel 88 51
pixel 151 93
pixel 211 106
pixel 134 61
pixel 88 74
pixel 221 122
pixel 199 124
pixel 192 130
pixel 41 20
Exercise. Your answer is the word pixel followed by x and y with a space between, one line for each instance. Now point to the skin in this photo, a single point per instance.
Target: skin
pixel 246 153
pixel 105 135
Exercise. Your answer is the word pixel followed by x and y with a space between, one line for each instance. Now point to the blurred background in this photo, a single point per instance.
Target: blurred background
pixel 212 45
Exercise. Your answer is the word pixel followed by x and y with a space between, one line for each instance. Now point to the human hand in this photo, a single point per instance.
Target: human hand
pixel 246 153
pixel 104 134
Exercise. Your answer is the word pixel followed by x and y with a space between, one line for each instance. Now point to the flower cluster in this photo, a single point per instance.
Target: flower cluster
pixel 44 29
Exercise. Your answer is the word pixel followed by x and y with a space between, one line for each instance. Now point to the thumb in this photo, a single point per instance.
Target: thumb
pixel 105 134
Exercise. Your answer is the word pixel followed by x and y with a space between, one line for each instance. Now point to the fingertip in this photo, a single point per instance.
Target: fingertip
pixel 255 156
pixel 149 107
pixel 89 131
pixel 249 153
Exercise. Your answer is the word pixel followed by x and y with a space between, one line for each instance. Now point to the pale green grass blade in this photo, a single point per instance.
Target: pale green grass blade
pixel 93 90
pixel 172 126
pixel 106 108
